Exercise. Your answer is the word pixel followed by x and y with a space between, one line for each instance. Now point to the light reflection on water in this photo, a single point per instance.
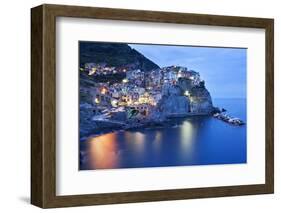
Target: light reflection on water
pixel 103 151
pixel 187 136
pixel 191 141
pixel 114 150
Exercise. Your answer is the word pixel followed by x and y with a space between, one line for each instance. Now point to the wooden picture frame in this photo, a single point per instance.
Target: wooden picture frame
pixel 43 105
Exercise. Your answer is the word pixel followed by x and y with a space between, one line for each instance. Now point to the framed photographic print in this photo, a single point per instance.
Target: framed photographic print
pixel 136 106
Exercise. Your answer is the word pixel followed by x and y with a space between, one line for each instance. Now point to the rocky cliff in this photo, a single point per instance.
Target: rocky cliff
pixel 201 101
pixel 173 103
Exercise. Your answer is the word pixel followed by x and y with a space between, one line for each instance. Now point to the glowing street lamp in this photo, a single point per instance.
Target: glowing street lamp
pixel 186 93
pixel 125 80
pixel 103 90
pixel 114 103
pixel 92 71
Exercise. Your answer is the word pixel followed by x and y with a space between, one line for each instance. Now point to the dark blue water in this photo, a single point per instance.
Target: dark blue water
pixel 200 140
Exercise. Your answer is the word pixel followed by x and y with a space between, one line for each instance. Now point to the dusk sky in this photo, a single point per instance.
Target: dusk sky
pixel 223 69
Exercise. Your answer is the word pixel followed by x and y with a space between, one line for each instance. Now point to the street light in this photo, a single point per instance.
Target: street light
pixel 125 80
pixel 186 93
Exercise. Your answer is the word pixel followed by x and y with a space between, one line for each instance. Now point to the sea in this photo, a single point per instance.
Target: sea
pixel 196 140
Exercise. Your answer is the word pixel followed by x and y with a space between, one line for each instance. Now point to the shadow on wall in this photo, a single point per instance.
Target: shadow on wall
pixel 25 199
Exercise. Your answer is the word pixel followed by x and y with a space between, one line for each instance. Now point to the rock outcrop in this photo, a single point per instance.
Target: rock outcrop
pixel 86 126
pixel 173 103
pixel 185 84
pixel 200 100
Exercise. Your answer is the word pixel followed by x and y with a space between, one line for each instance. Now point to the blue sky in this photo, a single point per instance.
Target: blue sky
pixel 223 69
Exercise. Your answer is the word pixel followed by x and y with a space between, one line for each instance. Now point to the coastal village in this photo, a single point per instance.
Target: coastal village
pixel 129 98
pixel 143 92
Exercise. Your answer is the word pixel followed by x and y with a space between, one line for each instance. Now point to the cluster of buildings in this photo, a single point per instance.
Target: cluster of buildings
pixel 102 69
pixel 138 90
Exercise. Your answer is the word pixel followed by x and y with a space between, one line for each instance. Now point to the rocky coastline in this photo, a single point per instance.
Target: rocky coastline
pixel 139 94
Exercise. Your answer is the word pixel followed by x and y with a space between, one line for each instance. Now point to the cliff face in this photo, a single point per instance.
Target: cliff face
pixel 173 103
pixel 86 126
pixel 185 84
pixel 201 101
